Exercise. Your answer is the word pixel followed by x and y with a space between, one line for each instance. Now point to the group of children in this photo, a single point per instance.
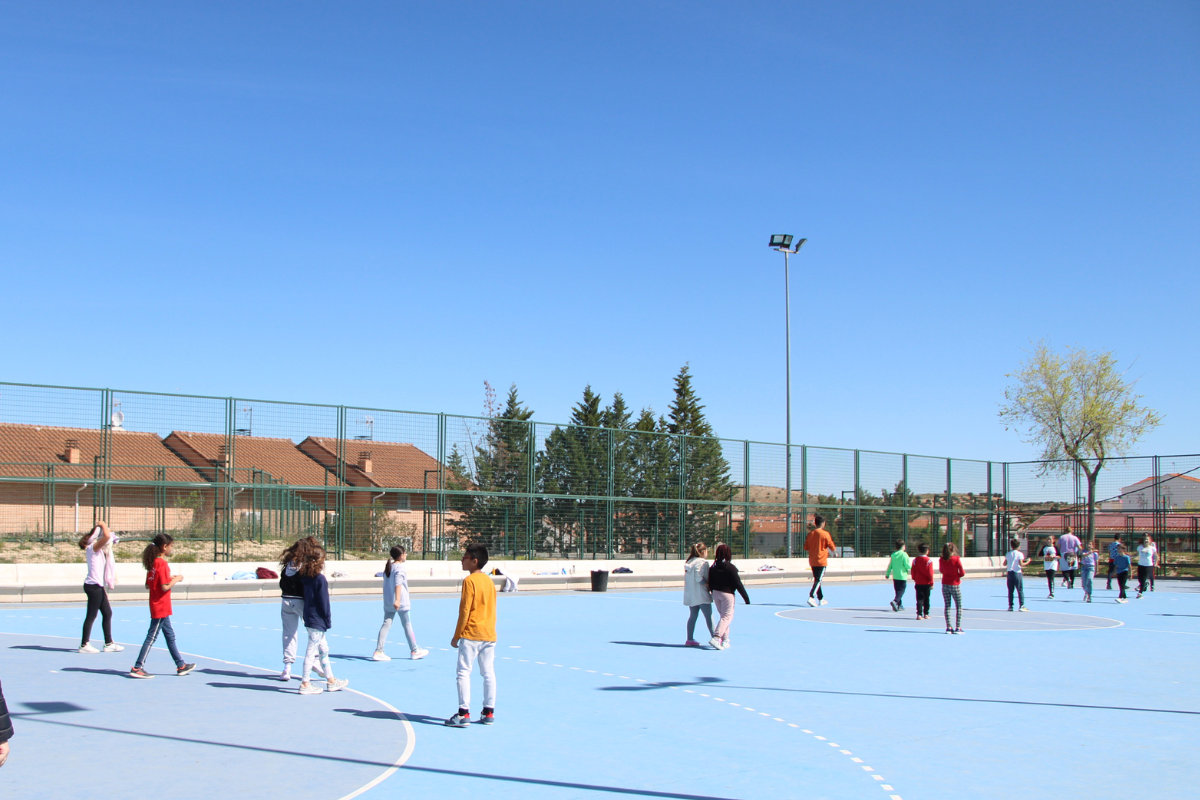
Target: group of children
pixel 305 598
pixel 901 567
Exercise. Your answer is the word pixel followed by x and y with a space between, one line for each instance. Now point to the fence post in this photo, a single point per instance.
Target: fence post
pixel 608 503
pixel 904 494
pixel 682 506
pixel 857 503
pixel 803 495
pixel 339 530
pixel 991 531
pixel 746 498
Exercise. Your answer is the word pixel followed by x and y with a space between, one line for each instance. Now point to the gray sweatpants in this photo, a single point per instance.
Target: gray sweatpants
pixel 387 625
pixel 470 651
pixel 291 613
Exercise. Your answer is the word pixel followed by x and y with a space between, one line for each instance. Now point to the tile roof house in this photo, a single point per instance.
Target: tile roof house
pixel 70 456
pixel 278 458
pixel 380 466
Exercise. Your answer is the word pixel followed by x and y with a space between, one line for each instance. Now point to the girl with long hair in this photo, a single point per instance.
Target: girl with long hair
pixel 97 545
pixel 318 619
pixel 396 601
pixel 723 580
pixel 159 581
pixel 291 608
pixel 952 573
pixel 696 594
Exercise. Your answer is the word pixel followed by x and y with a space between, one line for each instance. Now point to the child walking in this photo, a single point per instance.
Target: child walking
pixel 1050 563
pixel 724 580
pixel 952 572
pixel 922 575
pixel 318 619
pixel 1121 566
pixel 898 570
pixel 696 595
pixel 1088 563
pixel 159 581
pixel 1016 578
pixel 291 602
pixel 1147 556
pixel 475 637
pixel 396 601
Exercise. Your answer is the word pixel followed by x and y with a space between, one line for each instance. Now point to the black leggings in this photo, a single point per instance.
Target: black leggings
pixel 97 601
pixel 1050 579
pixel 1122 578
pixel 1068 576
pixel 923 592
pixel 817 573
pixel 1144 574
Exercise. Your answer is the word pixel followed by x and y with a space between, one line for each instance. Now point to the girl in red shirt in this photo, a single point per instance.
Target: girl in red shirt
pixel 952 572
pixel 159 581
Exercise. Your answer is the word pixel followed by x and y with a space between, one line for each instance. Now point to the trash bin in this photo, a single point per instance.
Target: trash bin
pixel 599 580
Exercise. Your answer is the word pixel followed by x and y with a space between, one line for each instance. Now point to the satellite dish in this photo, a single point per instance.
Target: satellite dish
pixel 117 418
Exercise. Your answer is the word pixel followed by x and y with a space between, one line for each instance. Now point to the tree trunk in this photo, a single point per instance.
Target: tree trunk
pixel 1091 510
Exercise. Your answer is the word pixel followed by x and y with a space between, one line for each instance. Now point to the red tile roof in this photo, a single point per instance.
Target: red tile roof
pixel 394 465
pixel 279 458
pixel 25 449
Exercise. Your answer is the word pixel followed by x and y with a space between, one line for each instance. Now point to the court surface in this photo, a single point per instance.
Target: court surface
pixel 598 698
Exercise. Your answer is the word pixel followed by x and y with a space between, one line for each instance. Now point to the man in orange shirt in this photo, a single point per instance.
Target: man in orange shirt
pixel 819 545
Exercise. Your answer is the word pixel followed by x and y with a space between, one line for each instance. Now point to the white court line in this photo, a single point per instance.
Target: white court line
pixel 387 773
pixel 1022 620
pixel 1151 630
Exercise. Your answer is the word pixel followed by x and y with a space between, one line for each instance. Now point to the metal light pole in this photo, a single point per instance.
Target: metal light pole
pixel 783 243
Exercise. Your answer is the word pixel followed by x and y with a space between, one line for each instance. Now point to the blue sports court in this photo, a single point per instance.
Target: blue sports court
pixel 598 698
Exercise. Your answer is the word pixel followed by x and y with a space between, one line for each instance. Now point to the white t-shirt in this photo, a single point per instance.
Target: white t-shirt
pixel 399 577
pixel 1147 555
pixel 1015 557
pixel 1049 557
pixel 96 562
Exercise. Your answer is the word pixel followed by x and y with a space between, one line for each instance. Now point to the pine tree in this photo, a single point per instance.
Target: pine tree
pixel 501 468
pixel 698 455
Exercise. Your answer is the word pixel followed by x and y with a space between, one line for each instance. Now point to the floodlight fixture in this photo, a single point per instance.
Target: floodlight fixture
pixel 781 241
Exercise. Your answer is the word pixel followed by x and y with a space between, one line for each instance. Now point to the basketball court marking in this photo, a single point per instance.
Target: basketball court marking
pixel 410 732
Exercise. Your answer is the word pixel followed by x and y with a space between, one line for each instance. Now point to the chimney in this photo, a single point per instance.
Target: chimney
pixel 71 451
pixel 364 461
pixel 222 457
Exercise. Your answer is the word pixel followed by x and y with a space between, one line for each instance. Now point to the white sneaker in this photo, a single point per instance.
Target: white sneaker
pixel 113 647
pixel 381 656
pixel 309 688
pixel 419 653
pixel 87 648
pixel 336 685
pixel 714 642
pixel 824 602
pixel 812 601
pixel 726 644
pixel 285 676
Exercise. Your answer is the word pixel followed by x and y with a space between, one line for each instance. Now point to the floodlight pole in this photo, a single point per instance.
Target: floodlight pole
pixel 787 335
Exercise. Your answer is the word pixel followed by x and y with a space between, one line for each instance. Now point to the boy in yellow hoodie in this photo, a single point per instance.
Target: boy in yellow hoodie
pixel 898 570
pixel 475 637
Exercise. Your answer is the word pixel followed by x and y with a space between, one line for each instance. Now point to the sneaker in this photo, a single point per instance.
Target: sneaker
pixel 824 602
pixel 337 684
pixel 87 648
pixel 184 669
pixel 379 655
pixel 1139 596
pixel 959 630
pixel 459 721
pixel 1087 598
pixel 892 603
pixel 113 647
pixel 419 653
pixel 949 630
pixel 691 643
pixel 138 672
pixel 309 688
pixel 285 676
pixel 714 642
pixel 1023 608
pixel 1051 597
pixel 487 718
pixel 1010 608
pixel 812 601
pixel 726 644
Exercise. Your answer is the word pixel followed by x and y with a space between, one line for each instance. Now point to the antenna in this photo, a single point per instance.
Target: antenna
pixel 249 429
pixel 369 436
pixel 118 417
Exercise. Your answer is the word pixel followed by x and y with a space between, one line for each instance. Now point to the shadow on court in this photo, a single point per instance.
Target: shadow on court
pixel 254 687
pixel 44 649
pixel 118 673
pixel 646 687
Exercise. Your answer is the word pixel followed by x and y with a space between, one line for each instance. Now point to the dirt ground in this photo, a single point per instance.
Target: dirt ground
pixel 68 552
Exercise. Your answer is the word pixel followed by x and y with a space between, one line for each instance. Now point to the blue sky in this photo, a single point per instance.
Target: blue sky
pixel 387 204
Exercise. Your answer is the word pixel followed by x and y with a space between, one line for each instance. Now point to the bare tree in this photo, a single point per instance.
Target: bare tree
pixel 1079 409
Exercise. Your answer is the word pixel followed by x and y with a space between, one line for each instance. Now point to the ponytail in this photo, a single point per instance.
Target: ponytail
pixel 154 549
pixel 87 537
pixel 393 556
